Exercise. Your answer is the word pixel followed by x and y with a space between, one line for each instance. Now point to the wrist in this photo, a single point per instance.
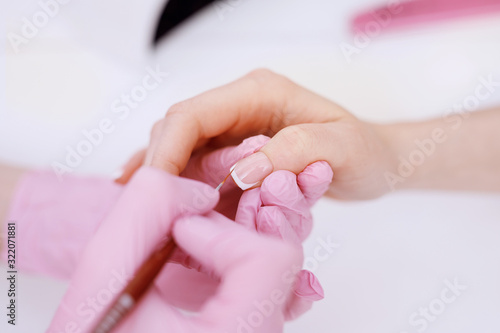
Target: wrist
pixel 9 177
pixel 411 147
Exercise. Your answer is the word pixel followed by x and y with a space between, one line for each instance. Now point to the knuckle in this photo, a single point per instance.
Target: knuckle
pixel 297 138
pixel 184 113
pixel 157 127
pixel 273 90
pixel 168 166
pixel 268 79
pixel 261 74
pixel 177 108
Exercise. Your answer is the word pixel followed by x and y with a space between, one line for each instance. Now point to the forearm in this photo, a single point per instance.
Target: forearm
pixel 9 177
pixel 459 152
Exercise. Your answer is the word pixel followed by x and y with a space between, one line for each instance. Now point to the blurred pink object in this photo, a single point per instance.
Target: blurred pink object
pixel 400 14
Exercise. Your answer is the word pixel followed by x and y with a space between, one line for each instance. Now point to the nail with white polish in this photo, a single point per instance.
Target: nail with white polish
pixel 251 170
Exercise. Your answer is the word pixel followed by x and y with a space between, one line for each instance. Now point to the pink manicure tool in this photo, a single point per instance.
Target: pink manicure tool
pixel 402 14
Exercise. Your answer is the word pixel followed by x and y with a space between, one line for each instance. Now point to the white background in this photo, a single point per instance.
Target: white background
pixel 395 253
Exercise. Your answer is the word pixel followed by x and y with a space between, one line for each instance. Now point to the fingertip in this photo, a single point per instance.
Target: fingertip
pixel 308 286
pixel 314 180
pixel 123 176
pixel 120 180
pixel 317 172
pixel 307 290
pixel 281 186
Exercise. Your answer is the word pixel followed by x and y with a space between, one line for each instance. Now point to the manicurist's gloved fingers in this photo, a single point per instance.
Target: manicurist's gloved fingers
pixel 256 273
pixel 137 224
pixel 272 221
pixel 280 189
pixel 293 195
pixel 248 208
pixel 281 208
pixel 307 290
pixel 254 269
pixel 314 181
pixel 185 288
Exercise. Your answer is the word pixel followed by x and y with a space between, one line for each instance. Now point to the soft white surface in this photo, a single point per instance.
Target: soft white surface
pixel 395 253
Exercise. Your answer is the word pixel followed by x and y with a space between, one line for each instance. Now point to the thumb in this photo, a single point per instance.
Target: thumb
pixel 293 149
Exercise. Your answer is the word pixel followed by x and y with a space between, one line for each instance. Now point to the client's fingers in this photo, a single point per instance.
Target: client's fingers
pixel 132 165
pixel 260 101
pixel 293 149
pixel 212 167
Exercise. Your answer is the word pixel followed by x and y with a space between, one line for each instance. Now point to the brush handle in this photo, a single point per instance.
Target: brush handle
pixel 136 288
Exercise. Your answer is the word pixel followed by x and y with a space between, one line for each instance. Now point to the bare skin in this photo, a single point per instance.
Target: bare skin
pixel 366 158
pixel 9 177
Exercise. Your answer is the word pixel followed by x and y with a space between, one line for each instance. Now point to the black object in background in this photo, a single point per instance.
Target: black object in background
pixel 174 12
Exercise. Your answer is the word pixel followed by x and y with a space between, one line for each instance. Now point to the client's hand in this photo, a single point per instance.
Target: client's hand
pixel 305 128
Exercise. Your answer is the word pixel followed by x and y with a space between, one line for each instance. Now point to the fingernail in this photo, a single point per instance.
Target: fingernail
pixel 251 170
pixel 117 174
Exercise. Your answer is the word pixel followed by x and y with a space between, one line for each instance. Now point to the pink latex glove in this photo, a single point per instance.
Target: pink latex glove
pixel 56 219
pixel 68 213
pixel 280 207
pixel 257 272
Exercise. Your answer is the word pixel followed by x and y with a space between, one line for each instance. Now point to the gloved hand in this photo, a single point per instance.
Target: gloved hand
pixel 257 271
pixel 55 219
pixel 68 214
pixel 280 207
